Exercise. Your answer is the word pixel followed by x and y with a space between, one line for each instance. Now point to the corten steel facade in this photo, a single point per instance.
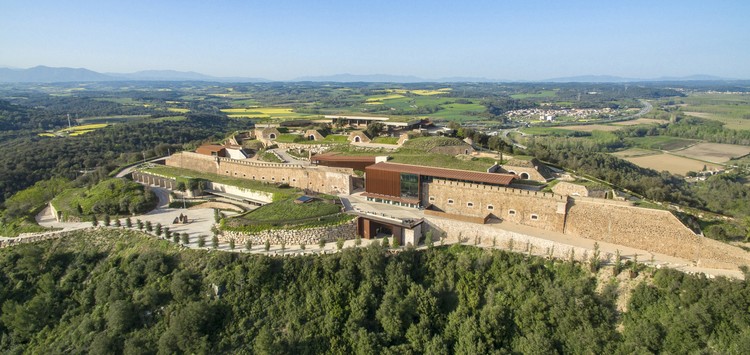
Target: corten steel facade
pixel 402 184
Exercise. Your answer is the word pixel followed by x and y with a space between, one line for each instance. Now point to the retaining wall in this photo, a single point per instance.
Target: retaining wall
pixel 294 237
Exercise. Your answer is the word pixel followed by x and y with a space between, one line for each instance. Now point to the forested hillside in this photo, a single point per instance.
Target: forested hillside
pixel 118 292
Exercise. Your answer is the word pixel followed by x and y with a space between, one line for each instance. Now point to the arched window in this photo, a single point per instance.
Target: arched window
pixel 272 136
pixel 511 212
pixel 524 176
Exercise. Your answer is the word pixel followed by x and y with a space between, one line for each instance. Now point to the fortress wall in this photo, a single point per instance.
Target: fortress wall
pixel 466 232
pixel 548 208
pixel 533 173
pixel 321 179
pixel 653 230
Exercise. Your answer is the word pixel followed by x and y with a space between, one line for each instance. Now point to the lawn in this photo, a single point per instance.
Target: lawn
pixel 385 140
pixel 288 215
pixel 288 210
pixel 416 157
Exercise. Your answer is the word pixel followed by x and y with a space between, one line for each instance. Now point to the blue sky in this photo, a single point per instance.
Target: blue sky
pixel 513 40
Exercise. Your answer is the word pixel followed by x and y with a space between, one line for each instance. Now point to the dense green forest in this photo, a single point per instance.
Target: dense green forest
pixel 111 291
pixel 30 158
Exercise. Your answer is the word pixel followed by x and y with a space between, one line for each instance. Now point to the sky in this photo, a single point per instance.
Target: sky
pixel 284 40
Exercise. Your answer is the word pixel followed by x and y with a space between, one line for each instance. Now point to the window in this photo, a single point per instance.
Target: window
pixel 432 198
pixel 490 207
pixel 294 180
pixel 534 217
pixel 253 177
pixel 525 176
pixel 226 171
pixel 409 185
pixel 470 204
pixel 243 175
pixel 512 212
pixel 262 177
pixel 450 201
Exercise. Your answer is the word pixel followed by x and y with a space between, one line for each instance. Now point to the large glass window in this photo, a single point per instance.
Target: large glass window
pixel 409 185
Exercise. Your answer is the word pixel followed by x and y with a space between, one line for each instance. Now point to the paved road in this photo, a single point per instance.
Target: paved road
pixel 130 169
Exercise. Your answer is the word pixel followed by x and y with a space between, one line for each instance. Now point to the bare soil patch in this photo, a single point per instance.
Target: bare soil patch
pixel 639 121
pixel 714 152
pixel 672 163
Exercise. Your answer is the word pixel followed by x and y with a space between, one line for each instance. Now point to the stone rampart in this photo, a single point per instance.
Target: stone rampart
pixel 259 196
pixel 314 148
pixel 471 233
pixel 317 178
pixel 294 237
pixel 648 229
pixel 532 208
pixel 154 180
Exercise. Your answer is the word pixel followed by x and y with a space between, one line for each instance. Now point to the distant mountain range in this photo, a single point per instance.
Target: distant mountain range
pixel 43 74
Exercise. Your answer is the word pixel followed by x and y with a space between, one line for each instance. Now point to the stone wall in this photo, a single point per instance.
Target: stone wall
pixel 532 208
pixel 648 229
pixel 471 233
pixel 155 180
pixel 239 191
pixel 314 148
pixel 317 178
pixel 566 188
pixel 25 238
pixel 295 237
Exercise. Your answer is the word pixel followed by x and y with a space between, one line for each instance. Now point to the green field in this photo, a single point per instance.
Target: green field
pixel 731 109
pixel 539 94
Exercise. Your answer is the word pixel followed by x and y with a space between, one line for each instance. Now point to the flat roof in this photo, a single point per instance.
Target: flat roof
pixel 346 158
pixel 211 147
pixel 455 174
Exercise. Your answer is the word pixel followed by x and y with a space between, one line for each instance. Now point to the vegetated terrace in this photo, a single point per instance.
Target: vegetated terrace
pixel 289 214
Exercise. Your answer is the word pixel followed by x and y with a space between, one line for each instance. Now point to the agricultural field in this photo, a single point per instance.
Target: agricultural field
pixel 669 162
pixel 279 113
pixel 75 130
pixel 377 100
pixel 731 109
pixel 539 94
pixel 591 128
pixel 714 152
pixel 661 142
pixel 640 121
pixel 112 119
pixel 422 92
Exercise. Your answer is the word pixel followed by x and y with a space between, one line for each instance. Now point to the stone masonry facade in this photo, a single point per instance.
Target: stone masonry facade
pixel 295 237
pixel 531 208
pixel 317 178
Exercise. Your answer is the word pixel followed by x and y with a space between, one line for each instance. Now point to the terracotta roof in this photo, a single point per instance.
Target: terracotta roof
pixel 337 157
pixel 463 175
